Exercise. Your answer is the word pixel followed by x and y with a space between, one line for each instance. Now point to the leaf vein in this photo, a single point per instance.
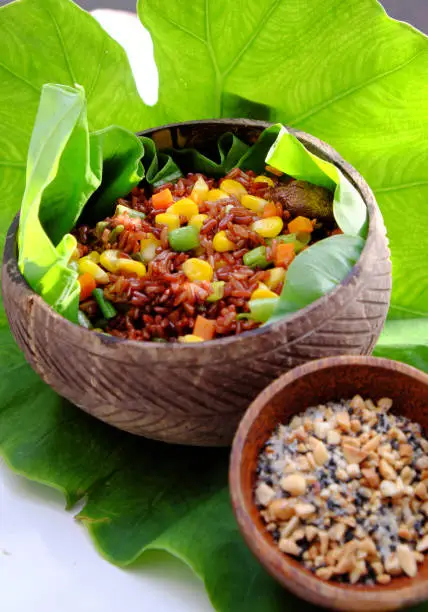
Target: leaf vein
pixel 340 96
pixel 62 44
pixel 400 187
pixel 252 38
pixel 19 77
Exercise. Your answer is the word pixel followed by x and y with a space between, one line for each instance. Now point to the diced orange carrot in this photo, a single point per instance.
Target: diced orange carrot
pixel 300 224
pixel 162 200
pixel 284 254
pixel 204 328
pixel 87 285
pixel 270 210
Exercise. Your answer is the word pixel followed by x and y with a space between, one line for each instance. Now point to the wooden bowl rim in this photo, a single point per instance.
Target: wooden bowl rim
pixel 191 350
pixel 325 593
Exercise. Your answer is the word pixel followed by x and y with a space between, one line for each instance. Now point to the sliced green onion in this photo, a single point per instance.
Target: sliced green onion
pixel 108 310
pixel 100 227
pixel 256 258
pixel 217 291
pixel 184 238
pixel 135 214
pixel 260 310
pixel 83 320
pixel 116 232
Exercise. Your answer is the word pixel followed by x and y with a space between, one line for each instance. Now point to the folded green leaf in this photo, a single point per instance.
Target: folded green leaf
pixel 289 155
pixel 119 154
pixel 159 168
pixel 255 158
pixel 317 271
pixel 228 153
pixel 59 181
pixel 55 41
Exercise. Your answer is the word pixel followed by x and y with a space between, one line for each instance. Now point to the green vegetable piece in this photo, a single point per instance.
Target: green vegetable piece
pixel 83 320
pixel 304 237
pixel 161 340
pixel 184 238
pixel 260 310
pixel 108 310
pixel 256 258
pixel 100 227
pixel 217 291
pixel 116 232
pixel 134 214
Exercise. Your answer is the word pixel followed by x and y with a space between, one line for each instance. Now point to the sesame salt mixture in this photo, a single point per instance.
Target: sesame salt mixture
pixel 343 488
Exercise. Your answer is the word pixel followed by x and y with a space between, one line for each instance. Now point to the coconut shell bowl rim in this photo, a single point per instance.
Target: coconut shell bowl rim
pixel 10 252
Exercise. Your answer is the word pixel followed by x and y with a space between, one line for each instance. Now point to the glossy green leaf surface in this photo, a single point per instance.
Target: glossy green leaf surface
pixel 342 71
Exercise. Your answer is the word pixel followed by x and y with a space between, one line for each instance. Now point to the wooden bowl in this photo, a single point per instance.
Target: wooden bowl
pixel 308 385
pixel 196 394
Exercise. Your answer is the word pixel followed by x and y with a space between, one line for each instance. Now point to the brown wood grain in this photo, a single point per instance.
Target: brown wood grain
pixel 315 383
pixel 197 393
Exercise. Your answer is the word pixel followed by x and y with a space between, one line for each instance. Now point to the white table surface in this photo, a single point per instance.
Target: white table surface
pixel 47 560
pixel 48 563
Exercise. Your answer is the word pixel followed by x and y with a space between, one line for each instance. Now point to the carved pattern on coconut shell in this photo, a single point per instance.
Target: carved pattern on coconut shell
pixel 182 395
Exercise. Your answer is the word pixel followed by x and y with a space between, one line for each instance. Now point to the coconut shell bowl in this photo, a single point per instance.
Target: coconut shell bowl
pixel 308 385
pixel 196 394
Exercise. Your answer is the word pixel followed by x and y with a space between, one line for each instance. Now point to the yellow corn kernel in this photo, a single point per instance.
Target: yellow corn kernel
pixel 185 207
pixel 197 269
pixel 200 190
pixel 190 338
pixel 169 219
pixel 86 265
pixel 276 277
pixel 132 267
pixel 197 221
pixel 94 256
pixel 233 188
pixel 262 292
pixel 216 194
pixel 274 171
pixel 148 248
pixel 264 179
pixel 110 260
pixel 253 203
pixel 221 242
pixel 269 227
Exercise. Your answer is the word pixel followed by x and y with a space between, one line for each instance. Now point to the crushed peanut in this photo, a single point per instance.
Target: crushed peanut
pixel 344 489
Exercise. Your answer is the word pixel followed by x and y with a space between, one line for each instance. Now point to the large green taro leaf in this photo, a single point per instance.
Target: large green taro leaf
pixel 141 495
pixel 54 41
pixel 342 71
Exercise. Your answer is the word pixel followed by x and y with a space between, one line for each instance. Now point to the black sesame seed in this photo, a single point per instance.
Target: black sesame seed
pixel 349 535
pixel 304 544
pixel 371 574
pixel 276 535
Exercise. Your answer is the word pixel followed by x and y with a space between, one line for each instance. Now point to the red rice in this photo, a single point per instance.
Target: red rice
pixel 164 304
